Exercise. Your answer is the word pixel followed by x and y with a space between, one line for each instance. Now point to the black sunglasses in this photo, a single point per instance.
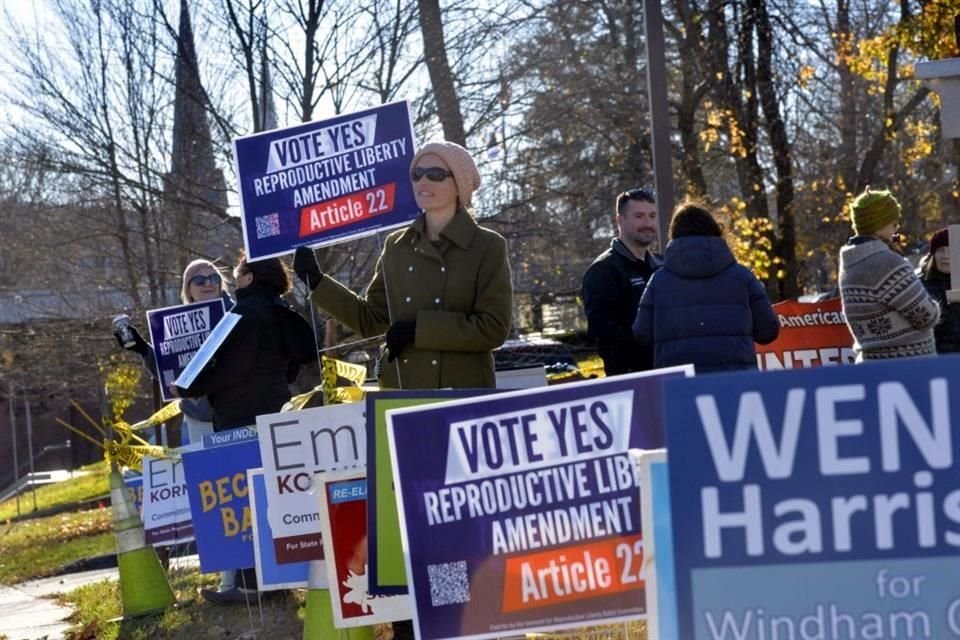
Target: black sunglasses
pixel 199 280
pixel 433 174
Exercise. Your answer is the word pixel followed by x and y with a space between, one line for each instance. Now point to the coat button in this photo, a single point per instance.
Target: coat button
pixel 443 269
pixel 405 361
pixel 434 363
pixel 408 299
pixel 436 300
pixel 410 269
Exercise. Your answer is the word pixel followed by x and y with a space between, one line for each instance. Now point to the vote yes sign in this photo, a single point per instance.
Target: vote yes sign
pixel 524 513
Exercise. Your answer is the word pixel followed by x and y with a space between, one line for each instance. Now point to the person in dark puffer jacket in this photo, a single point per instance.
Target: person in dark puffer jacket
pixel 702 307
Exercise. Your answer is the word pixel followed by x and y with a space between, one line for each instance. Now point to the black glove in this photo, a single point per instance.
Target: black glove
pixel 306 267
pixel 139 346
pixel 400 335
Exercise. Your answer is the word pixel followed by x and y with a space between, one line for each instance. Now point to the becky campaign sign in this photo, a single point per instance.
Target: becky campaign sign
pixel 812 334
pixel 294 446
pixel 524 513
pixel 177 334
pixel 327 181
pixel 818 503
pixel 216 481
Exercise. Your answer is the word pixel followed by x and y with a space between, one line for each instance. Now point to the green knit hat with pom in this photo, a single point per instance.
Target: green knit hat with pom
pixel 872 211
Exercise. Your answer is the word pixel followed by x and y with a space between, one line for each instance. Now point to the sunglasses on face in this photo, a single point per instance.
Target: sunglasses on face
pixel 199 280
pixel 433 174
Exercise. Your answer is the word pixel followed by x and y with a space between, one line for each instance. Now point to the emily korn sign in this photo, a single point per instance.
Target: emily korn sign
pixel 529 517
pixel 817 504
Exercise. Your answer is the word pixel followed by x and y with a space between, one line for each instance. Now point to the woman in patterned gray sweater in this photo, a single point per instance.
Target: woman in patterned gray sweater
pixel 889 312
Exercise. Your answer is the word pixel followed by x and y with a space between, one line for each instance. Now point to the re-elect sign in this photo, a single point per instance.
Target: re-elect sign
pixel 327 181
pixel 524 513
pixel 817 503
pixel 177 333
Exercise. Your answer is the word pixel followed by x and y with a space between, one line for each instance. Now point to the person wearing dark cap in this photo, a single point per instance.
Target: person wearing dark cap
pixel 441 289
pixel 614 284
pixel 935 275
pixel 888 311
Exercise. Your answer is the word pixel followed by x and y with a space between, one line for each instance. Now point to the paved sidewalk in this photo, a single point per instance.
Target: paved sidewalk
pixel 27 611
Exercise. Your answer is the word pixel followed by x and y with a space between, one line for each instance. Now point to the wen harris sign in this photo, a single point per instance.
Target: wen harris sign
pixel 817 504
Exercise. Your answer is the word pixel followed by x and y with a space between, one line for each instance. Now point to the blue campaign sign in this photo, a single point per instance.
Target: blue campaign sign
pixel 326 181
pixel 270 574
pixel 134 484
pixel 523 514
pixel 177 333
pixel 220 504
pixel 817 503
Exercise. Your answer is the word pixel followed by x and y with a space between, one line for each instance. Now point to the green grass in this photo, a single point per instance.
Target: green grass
pixel 93 484
pixel 97 603
pixel 40 547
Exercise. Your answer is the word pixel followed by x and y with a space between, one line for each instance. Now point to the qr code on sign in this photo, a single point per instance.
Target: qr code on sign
pixel 268 226
pixel 448 583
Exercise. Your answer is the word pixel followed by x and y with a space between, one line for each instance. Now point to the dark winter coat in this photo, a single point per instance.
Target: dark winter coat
pixel 250 372
pixel 947 332
pixel 612 288
pixel 704 308
pixel 458 291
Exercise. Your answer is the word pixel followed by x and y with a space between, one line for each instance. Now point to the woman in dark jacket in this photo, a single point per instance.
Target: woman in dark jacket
pixel 251 371
pixel 935 275
pixel 703 307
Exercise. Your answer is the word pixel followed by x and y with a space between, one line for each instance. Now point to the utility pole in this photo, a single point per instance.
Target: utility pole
pixel 659 116
pixel 33 478
pixel 13 437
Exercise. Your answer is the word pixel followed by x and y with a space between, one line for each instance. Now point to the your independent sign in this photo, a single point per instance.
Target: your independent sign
pixel 817 503
pixel 327 181
pixel 524 513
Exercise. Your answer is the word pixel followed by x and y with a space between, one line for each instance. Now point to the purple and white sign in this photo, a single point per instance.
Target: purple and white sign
pixel 177 333
pixel 523 514
pixel 327 181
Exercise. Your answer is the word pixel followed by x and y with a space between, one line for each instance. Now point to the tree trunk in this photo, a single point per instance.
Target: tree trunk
pixel 780 145
pixel 441 78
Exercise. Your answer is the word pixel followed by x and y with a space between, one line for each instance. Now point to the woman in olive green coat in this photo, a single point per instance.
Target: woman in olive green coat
pixel 441 290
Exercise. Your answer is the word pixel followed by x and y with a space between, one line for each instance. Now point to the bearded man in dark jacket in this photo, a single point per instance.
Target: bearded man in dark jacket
pixel 614 284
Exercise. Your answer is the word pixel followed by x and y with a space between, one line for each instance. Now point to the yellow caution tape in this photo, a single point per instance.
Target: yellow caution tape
pixel 332 371
pixel 168 412
pixel 131 456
